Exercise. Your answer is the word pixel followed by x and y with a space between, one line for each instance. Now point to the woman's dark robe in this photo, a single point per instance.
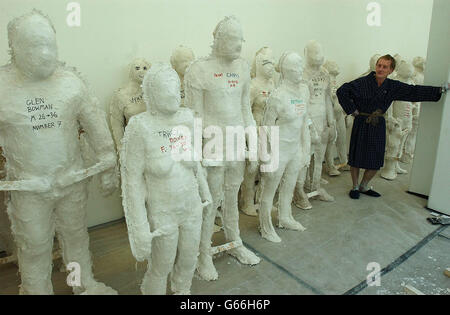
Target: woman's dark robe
pixel 368 141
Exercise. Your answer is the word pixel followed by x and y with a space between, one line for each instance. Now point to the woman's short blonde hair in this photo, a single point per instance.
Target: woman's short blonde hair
pixel 389 57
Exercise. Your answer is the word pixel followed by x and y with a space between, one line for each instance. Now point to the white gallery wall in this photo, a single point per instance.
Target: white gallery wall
pixel 430 174
pixel 113 32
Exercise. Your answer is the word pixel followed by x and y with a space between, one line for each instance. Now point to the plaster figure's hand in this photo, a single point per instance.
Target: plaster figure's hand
pixel 315 138
pixel 109 181
pixel 355 113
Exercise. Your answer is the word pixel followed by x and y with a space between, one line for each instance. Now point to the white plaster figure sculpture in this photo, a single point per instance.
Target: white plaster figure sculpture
pixel 398 60
pixel 320 109
pixel 372 64
pixel 128 101
pixel 261 86
pixel 339 116
pixel 394 135
pixel 161 195
pixel 181 58
pixel 287 109
pixel 43 104
pixel 403 112
pixel 409 147
pixel 218 90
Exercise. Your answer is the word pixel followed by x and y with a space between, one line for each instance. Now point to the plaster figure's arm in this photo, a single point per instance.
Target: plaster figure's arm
pixel 93 120
pixel 246 107
pixel 270 115
pixel 203 186
pixel 193 98
pixel 134 192
pixel 117 120
pixel 346 94
pixel 415 93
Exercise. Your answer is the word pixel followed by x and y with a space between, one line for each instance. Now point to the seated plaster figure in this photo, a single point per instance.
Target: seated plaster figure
pixel 286 108
pixel 127 101
pixel 43 105
pixel 218 90
pixel 261 86
pixel 320 110
pixel 402 111
pixel 181 58
pixel 339 116
pixel 162 195
pixel 410 143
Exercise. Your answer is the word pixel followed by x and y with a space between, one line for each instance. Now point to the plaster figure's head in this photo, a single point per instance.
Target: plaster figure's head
pixel 419 63
pixel 32 43
pixel 228 39
pixel 181 58
pixel 405 69
pixel 332 67
pixel 385 66
pixel 398 59
pixel 138 69
pixel 161 88
pixel 314 54
pixel 373 62
pixel 291 67
pixel 263 64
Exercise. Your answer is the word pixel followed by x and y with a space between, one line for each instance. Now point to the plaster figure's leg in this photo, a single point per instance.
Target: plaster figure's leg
pixel 187 253
pixel 398 169
pixel 300 197
pixel 164 250
pixel 248 193
pixel 71 226
pixel 205 266
pixel 319 154
pixel 341 139
pixel 269 182
pixel 33 227
pixel 329 160
pixel 234 175
pixel 5 227
pixel 287 186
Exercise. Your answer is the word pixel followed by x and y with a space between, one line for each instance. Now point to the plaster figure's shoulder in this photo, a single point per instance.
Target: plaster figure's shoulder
pixel 198 65
pixel 304 90
pixel 137 123
pixel 277 97
pixel 71 77
pixel 186 116
pixel 7 76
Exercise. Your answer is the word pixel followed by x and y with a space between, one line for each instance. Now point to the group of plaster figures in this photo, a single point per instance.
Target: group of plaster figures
pixel 170 205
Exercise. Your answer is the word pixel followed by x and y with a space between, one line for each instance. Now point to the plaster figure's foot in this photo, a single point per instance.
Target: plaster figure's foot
pixel 95 288
pixel 302 203
pixel 388 175
pixel 333 171
pixel 406 158
pixel 206 269
pixel 290 224
pixel 244 255
pixel 271 236
pixel 345 168
pixel 400 170
pixel 323 181
pixel 324 196
pixel 250 210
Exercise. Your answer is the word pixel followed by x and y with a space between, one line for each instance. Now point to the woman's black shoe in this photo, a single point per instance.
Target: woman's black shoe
pixel 354 194
pixel 370 192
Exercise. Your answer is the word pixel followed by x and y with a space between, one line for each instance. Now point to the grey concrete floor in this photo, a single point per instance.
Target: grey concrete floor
pixel 330 257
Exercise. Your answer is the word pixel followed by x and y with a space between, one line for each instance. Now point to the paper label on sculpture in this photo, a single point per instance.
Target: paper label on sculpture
pixel 42 114
pixel 300 106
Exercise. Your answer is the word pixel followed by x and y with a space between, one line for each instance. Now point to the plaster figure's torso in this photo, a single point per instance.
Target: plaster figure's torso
pixel 39 124
pixel 169 182
pixel 402 110
pixel 291 115
pixel 132 103
pixel 318 83
pixel 222 87
pixel 258 96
